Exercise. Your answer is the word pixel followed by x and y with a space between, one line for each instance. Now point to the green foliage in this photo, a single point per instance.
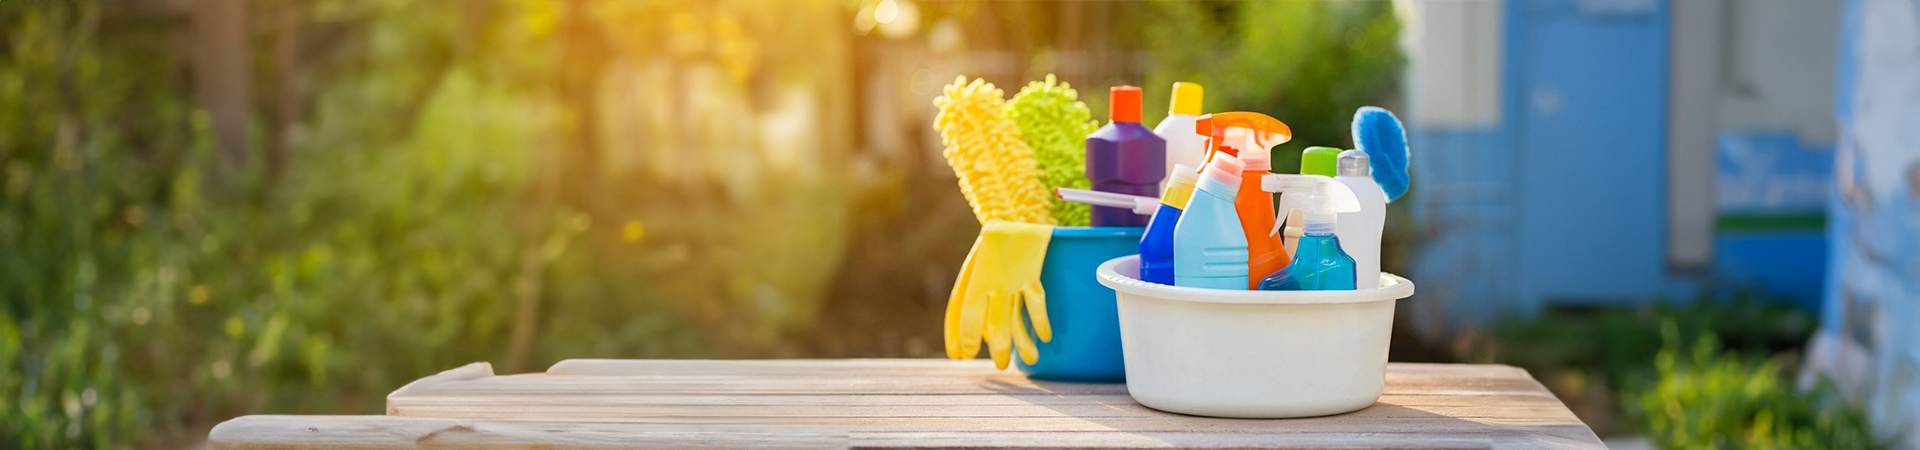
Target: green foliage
pixel 1613 364
pixel 73 225
pixel 1616 346
pixel 1055 124
pixel 1706 397
pixel 1309 64
pixel 428 211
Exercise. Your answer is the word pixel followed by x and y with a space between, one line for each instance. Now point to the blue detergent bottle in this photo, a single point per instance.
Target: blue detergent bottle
pixel 1209 248
pixel 1319 264
pixel 1156 246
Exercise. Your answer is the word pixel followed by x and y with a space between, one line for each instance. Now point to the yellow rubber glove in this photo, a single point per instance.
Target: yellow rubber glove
pixel 1000 278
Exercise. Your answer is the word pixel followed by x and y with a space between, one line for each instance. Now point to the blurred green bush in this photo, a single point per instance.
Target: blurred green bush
pixel 1707 397
pixel 433 213
pixel 1629 371
pixel 1308 63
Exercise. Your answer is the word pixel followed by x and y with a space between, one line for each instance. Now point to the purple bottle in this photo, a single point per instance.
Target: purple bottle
pixel 1124 157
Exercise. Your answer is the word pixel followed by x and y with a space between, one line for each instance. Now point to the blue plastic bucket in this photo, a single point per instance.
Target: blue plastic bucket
pixel 1086 322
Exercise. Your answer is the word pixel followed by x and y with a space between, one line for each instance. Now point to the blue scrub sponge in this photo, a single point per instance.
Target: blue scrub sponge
pixel 1380 135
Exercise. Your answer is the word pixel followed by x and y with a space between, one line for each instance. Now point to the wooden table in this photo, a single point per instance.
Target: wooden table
pixel 895 403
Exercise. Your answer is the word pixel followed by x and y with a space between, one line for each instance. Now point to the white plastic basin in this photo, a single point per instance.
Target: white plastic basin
pixel 1252 354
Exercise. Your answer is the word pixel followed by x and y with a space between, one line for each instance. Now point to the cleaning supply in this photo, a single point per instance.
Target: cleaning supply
pixel 999 177
pixel 998 173
pixel 1320 265
pixel 1252 354
pixel 1086 324
pixel 1156 246
pixel 1141 205
pixel 1322 161
pixel 1378 133
pixel 1359 231
pixel 1000 276
pixel 1054 123
pixel 1184 145
pixel 1209 250
pixel 1124 157
pixel 1280 280
pixel 1250 137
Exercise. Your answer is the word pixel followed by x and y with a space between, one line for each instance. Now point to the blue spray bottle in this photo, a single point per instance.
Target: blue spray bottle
pixel 1209 248
pixel 1319 264
pixel 1156 246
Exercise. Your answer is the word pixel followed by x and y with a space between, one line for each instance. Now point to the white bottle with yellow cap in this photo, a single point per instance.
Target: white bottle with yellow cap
pixel 1184 146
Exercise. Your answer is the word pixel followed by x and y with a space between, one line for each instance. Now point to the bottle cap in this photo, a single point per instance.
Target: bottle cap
pixel 1123 104
pixel 1184 174
pixel 1222 175
pixel 1353 163
pixel 1180 186
pixel 1319 161
pixel 1186 99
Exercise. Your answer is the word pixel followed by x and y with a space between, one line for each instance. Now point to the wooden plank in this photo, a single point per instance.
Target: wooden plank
pixel 1007 383
pixel 1165 440
pixel 386 432
pixel 383 432
pixel 618 410
pixel 908 403
pixel 890 400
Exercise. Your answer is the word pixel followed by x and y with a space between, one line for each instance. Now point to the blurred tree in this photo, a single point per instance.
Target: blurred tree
pixel 1309 64
pixel 222 71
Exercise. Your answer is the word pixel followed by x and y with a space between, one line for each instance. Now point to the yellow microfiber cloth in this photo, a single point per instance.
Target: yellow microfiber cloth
pixel 997 171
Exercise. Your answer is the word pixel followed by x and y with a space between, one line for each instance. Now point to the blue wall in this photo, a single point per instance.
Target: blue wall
pixel 1563 201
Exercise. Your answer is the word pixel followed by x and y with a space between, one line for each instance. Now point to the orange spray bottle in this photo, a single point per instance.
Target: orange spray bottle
pixel 1251 136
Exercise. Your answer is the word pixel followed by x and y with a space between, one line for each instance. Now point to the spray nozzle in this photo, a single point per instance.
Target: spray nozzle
pixel 1319 198
pixel 1247 135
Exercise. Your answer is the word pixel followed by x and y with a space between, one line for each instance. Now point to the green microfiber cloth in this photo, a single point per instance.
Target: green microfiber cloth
pixel 1055 124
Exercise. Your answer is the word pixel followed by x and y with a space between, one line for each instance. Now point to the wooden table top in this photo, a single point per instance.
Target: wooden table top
pixel 896 403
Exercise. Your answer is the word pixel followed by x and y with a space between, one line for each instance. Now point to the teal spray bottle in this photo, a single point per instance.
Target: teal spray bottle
pixel 1319 264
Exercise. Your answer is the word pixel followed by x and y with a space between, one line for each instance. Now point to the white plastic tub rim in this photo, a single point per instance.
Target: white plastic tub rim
pixel 1252 354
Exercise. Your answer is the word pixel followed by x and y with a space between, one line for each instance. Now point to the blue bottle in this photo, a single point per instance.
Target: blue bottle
pixel 1156 246
pixel 1319 264
pixel 1280 280
pixel 1209 248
